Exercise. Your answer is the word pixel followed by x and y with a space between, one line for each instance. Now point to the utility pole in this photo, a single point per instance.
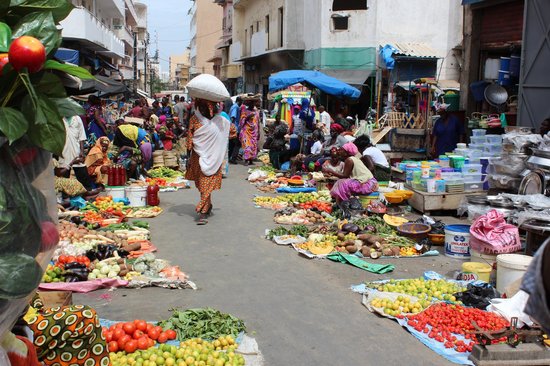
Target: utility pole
pixel 135 62
pixel 146 62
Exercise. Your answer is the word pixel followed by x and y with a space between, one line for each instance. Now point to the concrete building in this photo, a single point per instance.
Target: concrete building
pixel 142 44
pixel 340 37
pixel 231 72
pixel 109 37
pixel 179 70
pixel 206 30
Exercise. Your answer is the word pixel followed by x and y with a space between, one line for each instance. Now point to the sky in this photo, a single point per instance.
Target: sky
pixel 169 19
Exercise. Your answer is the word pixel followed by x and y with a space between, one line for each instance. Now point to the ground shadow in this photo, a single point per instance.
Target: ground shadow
pixel 186 209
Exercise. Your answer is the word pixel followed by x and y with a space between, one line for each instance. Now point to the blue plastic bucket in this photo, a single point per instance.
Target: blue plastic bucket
pixel 478 90
pixel 515 62
pixel 504 78
pixel 457 241
pixel 505 64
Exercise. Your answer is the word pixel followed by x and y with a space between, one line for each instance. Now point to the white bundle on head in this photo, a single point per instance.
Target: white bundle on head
pixel 207 87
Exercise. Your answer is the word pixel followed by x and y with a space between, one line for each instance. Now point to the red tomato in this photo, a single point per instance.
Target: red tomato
pixel 142 325
pixel 171 334
pixel 112 346
pixel 123 340
pixel 4 60
pixel 62 259
pixel 27 52
pixel 71 259
pixel 143 343
pixel 153 333
pixel 129 328
pixel 138 334
pixel 50 236
pixel 108 336
pixel 131 346
pixel 163 338
pixel 149 326
pixel 151 342
pixel 117 334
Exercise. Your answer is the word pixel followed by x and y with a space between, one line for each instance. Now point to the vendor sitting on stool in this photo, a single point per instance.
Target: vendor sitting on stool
pixel 356 179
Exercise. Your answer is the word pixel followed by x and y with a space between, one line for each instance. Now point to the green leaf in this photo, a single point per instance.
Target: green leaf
pixel 67 107
pixel 5 37
pixel 40 25
pixel 51 86
pixel 59 8
pixel 13 123
pixel 48 134
pixel 73 70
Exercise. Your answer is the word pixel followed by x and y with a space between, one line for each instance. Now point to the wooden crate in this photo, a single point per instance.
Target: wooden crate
pixel 52 299
pixel 426 202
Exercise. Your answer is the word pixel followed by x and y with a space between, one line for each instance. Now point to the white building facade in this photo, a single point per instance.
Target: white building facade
pixel 341 37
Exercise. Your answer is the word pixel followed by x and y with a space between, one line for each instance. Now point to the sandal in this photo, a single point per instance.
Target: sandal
pixel 209 212
pixel 202 220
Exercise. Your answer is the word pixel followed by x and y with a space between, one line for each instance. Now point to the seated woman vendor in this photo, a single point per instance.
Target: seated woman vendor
pixel 71 187
pixel 97 161
pixel 356 179
pixel 135 149
pixel 336 137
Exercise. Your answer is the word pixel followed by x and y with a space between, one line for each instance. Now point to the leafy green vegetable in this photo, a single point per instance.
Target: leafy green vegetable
pixel 205 323
pixel 79 72
pixel 13 123
pixel 300 230
pixel 40 25
pixel 5 37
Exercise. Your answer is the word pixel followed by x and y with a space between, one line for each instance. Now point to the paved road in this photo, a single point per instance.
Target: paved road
pixel 300 311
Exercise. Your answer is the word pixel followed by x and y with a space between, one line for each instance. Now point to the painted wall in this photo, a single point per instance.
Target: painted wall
pixel 206 27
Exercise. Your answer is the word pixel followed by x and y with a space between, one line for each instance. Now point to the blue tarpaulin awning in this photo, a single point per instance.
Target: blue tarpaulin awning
pixel 468 2
pixel 325 83
pixel 68 55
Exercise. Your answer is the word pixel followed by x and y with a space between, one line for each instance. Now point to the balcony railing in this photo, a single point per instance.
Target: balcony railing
pixel 124 34
pixel 82 25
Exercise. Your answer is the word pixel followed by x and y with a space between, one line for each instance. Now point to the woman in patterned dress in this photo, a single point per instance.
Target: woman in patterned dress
pixel 250 131
pixel 207 141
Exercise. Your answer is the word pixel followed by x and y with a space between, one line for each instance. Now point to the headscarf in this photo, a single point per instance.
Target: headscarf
pixel 351 149
pixel 336 127
pixel 96 153
pixel 126 135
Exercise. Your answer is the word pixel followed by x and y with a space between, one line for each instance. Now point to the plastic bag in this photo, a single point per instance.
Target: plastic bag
pixel 491 234
pixel 28 225
pixel 478 295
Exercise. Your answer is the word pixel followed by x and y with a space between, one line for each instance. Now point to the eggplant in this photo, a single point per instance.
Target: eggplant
pixel 70 278
pixel 76 220
pixel 351 228
pixel 74 265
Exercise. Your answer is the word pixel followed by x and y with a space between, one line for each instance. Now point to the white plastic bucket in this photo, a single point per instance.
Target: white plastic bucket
pixel 490 259
pixel 457 241
pixel 510 268
pixel 137 196
pixel 115 192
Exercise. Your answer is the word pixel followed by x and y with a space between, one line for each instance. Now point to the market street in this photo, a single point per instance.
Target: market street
pixel 300 311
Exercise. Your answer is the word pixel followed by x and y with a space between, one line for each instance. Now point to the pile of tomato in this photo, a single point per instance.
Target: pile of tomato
pixel 65 259
pixel 158 181
pixel 131 336
pixel 319 205
pixel 442 322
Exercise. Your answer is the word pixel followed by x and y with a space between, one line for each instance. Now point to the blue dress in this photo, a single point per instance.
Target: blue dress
pixel 448 134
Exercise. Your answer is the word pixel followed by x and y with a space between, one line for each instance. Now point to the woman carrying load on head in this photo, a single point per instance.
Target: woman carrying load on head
pixel 250 130
pixel 207 140
pixel 356 177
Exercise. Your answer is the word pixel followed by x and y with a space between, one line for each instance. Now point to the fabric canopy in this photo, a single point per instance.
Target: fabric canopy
pixel 317 79
pixel 68 55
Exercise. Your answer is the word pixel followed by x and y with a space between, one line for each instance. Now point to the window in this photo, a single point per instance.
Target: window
pixel 267 30
pixel 250 40
pixel 281 27
pixel 246 42
pixel 338 5
pixel 257 26
pixel 340 22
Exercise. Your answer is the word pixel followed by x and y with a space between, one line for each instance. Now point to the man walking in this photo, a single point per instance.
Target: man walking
pixel 325 120
pixel 73 152
pixel 234 143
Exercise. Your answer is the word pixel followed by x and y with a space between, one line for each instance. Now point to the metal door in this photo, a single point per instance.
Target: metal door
pixel 534 91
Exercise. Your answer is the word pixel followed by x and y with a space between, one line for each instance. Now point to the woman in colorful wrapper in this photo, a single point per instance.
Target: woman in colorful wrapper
pixel 207 141
pixel 356 178
pixel 67 335
pixel 97 160
pixel 250 131
pixel 95 123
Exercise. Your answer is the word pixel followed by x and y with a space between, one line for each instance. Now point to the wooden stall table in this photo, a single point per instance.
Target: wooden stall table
pixel 427 202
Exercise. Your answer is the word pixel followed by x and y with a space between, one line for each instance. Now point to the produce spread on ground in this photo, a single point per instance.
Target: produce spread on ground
pixel 445 314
